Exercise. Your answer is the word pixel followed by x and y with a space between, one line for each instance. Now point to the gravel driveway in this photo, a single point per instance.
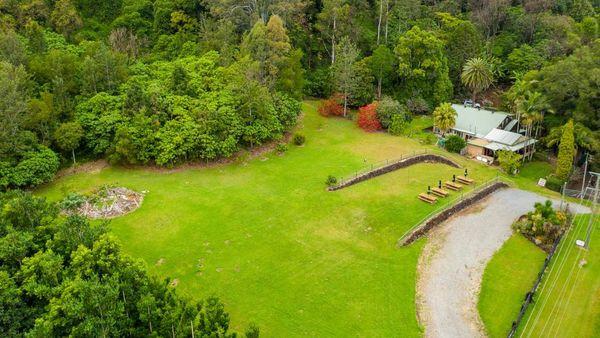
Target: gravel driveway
pixel 452 263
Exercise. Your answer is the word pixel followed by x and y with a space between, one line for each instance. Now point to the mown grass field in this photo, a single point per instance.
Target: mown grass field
pixel 267 238
pixel 508 276
pixel 568 301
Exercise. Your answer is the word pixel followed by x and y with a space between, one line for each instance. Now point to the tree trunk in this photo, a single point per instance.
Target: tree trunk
pixel 345 103
pixel 73 153
pixel 379 86
pixel 379 21
pixel 387 12
pixel 333 41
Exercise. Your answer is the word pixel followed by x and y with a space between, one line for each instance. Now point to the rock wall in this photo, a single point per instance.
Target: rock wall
pixel 424 158
pixel 439 218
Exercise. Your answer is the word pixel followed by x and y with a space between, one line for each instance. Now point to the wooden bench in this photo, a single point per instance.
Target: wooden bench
pixel 439 192
pixel 427 198
pixel 465 180
pixel 453 186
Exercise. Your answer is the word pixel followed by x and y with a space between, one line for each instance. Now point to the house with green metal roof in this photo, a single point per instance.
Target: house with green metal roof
pixel 488 131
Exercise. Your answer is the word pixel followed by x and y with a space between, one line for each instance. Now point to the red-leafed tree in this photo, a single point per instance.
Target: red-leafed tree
pixel 332 106
pixel 367 117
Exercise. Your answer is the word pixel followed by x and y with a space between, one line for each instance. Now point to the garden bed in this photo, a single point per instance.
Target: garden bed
pixel 106 202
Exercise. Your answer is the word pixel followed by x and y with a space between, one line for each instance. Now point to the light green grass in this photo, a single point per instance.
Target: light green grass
pixel 268 239
pixel 568 302
pixel 507 278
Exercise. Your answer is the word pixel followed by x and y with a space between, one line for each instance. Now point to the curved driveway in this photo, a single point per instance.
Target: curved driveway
pixel 455 256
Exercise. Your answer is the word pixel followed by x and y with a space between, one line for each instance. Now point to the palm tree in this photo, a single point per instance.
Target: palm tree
pixel 530 109
pixel 477 75
pixel 444 117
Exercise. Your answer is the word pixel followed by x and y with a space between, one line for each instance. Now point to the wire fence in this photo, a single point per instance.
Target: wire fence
pixel 529 296
pixel 455 200
pixel 380 164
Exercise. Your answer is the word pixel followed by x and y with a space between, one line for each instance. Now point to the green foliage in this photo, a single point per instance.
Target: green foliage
pixel 331 181
pixel 509 161
pixel 423 65
pixel 477 75
pixel 298 139
pixel 554 183
pixel 524 58
pixel 566 152
pixel 34 167
pixel 72 201
pixel 455 143
pixel 543 225
pixel 388 108
pixel 63 276
pixel 397 125
pixel 68 136
pixel 444 117
pixel 281 148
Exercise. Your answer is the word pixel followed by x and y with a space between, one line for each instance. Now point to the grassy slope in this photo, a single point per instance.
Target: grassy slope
pixel 277 248
pixel 569 302
pixel 507 278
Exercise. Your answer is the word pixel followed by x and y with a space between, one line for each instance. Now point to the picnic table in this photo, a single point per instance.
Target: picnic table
pixel 452 185
pixel 465 180
pixel 439 192
pixel 427 198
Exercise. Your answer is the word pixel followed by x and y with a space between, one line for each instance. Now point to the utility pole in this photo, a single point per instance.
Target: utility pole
pixel 592 216
pixel 587 157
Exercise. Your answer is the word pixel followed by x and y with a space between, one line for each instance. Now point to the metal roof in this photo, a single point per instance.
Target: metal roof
pixel 477 122
pixel 502 136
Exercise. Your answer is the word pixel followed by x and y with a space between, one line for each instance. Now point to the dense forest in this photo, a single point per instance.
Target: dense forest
pixel 164 82
pixel 160 82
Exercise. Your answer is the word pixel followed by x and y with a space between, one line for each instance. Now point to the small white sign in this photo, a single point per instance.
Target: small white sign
pixel 580 243
pixel 542 182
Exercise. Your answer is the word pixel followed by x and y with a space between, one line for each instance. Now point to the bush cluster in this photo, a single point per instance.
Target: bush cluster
pixel 455 143
pixel 543 225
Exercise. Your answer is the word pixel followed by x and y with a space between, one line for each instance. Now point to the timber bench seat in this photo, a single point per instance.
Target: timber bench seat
pixel 453 186
pixel 427 198
pixel 439 192
pixel 465 180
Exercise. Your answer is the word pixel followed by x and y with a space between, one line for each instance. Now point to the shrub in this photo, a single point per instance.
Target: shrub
pixel 418 105
pixel 298 139
pixel 455 143
pixel 397 125
pixel 387 108
pixel 281 148
pixel 331 181
pixel 72 201
pixel 543 225
pixel 331 106
pixel 554 183
pixel 509 161
pixel 367 117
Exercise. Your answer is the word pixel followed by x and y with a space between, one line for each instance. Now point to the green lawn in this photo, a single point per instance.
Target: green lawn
pixel 509 275
pixel 266 237
pixel 568 304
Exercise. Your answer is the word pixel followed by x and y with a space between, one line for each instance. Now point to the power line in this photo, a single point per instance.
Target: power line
pixel 551 281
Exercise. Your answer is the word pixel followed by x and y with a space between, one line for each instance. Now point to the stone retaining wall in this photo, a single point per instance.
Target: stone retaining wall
pixel 439 218
pixel 424 158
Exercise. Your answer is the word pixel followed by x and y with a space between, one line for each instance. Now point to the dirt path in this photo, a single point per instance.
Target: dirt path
pixel 452 263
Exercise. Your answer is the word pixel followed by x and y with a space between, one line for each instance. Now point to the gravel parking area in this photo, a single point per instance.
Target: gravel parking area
pixel 452 263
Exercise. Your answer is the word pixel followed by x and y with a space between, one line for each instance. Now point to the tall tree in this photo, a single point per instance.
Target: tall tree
pixel 566 152
pixel 423 66
pixel 68 136
pixel 65 17
pixel 343 69
pixel 382 65
pixel 477 76
pixel 333 23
